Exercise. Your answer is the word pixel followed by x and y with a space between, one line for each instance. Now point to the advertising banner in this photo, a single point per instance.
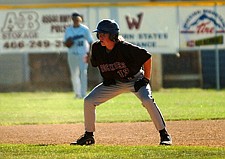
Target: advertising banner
pixel 158 29
pixel 35 30
pixel 154 28
pixel 42 30
pixel 202 27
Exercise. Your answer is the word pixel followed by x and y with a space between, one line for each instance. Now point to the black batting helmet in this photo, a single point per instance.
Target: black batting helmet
pixel 108 26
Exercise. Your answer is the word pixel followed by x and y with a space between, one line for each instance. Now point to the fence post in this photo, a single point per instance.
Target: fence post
pixel 156 78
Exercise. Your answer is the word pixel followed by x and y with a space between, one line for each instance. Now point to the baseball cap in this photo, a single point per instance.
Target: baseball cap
pixel 74 15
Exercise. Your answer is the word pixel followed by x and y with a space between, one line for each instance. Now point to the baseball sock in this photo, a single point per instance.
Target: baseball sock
pixel 163 132
pixel 89 133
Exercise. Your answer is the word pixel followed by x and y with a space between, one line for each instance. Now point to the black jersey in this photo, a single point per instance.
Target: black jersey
pixel 124 61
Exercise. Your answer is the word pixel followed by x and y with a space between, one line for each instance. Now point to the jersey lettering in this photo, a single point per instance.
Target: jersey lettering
pixel 112 67
pixel 104 68
pixel 121 68
pixel 123 73
pixel 80 43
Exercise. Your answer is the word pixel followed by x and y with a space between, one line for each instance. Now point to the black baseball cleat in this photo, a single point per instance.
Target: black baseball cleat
pixel 84 140
pixel 165 140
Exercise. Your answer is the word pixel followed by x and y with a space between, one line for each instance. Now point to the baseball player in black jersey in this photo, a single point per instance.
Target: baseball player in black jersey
pixel 124 67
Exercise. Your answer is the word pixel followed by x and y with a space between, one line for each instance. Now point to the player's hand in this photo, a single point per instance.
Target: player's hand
pixel 86 58
pixel 69 42
pixel 140 83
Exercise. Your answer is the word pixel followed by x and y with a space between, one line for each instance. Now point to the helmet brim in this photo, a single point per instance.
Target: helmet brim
pixel 99 31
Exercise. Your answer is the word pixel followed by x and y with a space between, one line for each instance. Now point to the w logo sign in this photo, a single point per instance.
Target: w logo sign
pixel 134 22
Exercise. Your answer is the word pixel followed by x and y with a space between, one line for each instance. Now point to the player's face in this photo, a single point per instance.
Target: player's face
pixel 76 21
pixel 104 39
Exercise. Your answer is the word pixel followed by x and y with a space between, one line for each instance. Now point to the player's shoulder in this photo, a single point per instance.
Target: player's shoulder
pixel 85 27
pixel 96 44
pixel 126 44
pixel 69 27
pixel 97 48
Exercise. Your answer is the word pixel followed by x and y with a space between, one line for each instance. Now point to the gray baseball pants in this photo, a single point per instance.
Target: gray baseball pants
pixel 101 94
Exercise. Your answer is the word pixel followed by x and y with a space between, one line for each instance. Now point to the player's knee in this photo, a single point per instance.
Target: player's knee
pixel 87 100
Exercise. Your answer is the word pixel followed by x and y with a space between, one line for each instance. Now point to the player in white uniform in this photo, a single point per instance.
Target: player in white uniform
pixel 80 39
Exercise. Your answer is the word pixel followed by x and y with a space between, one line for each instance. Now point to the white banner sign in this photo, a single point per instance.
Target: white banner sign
pixel 202 27
pixel 42 30
pixel 154 28
pixel 36 30
pixel 158 29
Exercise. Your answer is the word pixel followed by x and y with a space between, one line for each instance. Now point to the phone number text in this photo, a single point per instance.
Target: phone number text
pixel 32 44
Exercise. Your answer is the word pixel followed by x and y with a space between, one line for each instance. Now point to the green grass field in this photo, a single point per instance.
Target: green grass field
pixel 109 152
pixel 53 107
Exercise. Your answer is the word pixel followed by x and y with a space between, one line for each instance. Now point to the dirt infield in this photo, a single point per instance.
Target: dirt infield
pixel 194 133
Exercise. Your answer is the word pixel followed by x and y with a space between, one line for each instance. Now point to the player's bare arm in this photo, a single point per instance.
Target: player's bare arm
pixel 148 68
